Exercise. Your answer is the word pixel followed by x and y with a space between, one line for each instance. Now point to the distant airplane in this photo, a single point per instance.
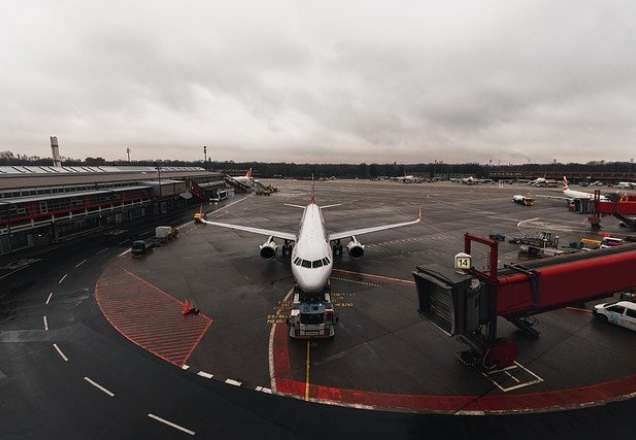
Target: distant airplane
pixel 247 179
pixel 542 181
pixel 571 195
pixel 626 185
pixel 474 181
pixel 407 179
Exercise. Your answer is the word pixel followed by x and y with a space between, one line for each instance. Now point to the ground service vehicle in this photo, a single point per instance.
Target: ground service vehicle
pixel 622 313
pixel 141 247
pixel 311 317
pixel 165 233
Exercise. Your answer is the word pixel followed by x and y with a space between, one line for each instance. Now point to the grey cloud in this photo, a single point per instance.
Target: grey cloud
pixel 365 81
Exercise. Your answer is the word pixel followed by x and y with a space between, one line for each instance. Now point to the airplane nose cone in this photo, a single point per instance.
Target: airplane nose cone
pixel 312 280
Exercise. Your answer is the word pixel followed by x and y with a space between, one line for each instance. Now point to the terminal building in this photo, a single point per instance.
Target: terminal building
pixel 43 205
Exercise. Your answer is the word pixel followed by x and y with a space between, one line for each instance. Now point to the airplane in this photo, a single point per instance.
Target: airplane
pixel 247 179
pixel 626 185
pixel 312 254
pixel 571 195
pixel 542 181
pixel 474 181
pixel 407 179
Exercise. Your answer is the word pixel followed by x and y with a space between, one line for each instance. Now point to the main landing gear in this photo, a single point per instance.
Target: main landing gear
pixel 337 248
pixel 287 249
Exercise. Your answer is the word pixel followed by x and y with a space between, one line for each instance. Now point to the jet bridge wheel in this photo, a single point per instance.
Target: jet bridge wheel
pixel 287 249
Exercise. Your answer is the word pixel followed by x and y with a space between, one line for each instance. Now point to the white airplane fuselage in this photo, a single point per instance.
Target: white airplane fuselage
pixel 314 249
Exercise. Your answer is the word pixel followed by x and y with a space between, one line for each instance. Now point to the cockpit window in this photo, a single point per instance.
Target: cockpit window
pixel 306 263
pixel 325 261
pixel 317 263
pixel 297 261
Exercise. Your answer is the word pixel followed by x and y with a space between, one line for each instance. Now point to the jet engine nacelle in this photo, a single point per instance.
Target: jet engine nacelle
pixel 355 248
pixel 268 249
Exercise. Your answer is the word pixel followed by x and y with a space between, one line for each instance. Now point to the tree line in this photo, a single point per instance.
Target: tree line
pixel 326 170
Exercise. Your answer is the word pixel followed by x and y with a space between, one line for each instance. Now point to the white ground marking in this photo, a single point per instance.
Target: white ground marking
pixel 101 251
pixel 46 323
pixel 171 424
pixel 48 298
pixel 62 355
pixel 125 252
pixel 123 241
pixel 206 375
pixel 228 205
pixel 263 389
pixel 99 387
pixel 236 383
pixel 80 263
pixel 530 220
pixel 185 366
pixel 14 271
pixel 62 279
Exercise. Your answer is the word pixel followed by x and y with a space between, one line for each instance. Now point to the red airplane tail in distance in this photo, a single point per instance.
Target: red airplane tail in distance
pixel 249 173
pixel 565 183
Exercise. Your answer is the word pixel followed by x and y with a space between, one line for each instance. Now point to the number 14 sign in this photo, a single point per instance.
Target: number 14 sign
pixel 463 261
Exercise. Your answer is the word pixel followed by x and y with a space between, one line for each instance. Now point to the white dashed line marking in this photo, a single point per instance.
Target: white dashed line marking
pixel 99 387
pixel 263 390
pixel 185 367
pixel 171 424
pixel 236 383
pixel 62 355
pixel 125 252
pixel 80 263
pixel 123 241
pixel 101 251
pixel 206 375
pixel 46 323
pixel 48 298
pixel 62 279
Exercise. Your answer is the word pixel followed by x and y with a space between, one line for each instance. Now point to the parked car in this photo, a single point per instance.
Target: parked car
pixel 622 313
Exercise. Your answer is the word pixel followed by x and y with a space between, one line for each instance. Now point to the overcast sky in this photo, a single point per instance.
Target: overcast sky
pixel 341 81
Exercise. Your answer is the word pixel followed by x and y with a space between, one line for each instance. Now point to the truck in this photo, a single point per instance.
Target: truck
pixel 165 233
pixel 312 316
pixel 141 247
pixel 545 244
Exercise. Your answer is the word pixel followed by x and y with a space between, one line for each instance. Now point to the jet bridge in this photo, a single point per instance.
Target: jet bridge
pixel 467 303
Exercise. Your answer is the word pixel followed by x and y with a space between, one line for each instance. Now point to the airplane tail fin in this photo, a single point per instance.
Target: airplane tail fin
pixel 565 183
pixel 249 173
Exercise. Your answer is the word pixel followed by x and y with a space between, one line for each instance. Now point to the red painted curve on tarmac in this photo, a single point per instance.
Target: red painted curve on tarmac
pixel 561 399
pixel 149 317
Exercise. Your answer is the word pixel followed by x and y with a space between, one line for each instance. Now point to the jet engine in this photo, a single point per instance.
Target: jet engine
pixel 268 249
pixel 355 248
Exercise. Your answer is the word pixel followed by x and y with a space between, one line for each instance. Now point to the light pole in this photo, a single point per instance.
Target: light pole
pixel 128 153
pixel 205 157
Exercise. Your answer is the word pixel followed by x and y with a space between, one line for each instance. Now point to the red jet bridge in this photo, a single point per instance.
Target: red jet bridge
pixel 623 209
pixel 467 304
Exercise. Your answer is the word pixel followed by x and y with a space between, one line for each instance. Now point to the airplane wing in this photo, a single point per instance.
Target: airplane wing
pixel 267 232
pixel 362 231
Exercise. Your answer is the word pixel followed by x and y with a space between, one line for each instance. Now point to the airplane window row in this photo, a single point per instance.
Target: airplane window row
pixel 311 264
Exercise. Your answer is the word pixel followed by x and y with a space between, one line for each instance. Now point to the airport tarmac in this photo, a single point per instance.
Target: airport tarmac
pixel 384 355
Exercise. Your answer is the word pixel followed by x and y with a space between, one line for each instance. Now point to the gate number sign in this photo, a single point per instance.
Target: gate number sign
pixel 463 261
